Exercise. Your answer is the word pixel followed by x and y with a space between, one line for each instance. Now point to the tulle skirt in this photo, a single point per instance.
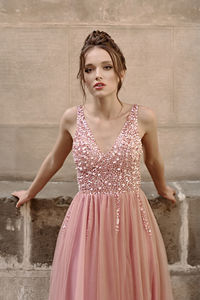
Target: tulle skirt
pixel 94 261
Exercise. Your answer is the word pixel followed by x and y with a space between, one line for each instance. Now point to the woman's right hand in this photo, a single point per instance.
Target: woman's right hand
pixel 23 197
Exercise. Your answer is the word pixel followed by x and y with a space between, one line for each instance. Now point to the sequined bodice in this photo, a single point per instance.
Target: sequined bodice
pixel 113 172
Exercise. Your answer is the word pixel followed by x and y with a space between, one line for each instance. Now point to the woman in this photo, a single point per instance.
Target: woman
pixel 109 246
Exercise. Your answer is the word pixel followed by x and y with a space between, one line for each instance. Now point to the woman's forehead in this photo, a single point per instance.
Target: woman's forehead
pixel 97 55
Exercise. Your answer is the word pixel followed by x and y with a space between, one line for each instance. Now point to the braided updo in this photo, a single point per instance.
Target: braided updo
pixel 102 40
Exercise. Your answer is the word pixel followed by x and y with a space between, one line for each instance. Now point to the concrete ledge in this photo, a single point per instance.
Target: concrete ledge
pixel 55 189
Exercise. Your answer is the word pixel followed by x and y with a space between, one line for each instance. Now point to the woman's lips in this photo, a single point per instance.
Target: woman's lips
pixel 99 85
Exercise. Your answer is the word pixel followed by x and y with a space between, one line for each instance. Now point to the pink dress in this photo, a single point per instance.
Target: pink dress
pixel 109 246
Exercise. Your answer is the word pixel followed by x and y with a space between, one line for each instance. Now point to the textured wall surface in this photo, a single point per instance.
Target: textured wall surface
pixel 40 46
pixel 38 67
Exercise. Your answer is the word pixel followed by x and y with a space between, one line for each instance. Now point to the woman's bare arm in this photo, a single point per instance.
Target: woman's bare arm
pixel 152 156
pixel 53 161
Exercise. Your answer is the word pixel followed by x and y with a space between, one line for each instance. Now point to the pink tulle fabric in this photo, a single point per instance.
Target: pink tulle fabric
pixel 109 246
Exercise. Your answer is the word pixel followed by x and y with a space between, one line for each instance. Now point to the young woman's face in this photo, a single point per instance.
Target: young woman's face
pixel 99 75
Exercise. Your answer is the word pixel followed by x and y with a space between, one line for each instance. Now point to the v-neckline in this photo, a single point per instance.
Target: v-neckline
pixel 102 153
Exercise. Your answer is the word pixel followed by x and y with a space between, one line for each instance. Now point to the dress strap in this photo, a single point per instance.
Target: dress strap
pixel 78 112
pixel 79 123
pixel 79 117
pixel 134 118
pixel 135 111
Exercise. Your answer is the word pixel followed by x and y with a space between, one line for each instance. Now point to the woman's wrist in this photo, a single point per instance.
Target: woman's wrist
pixel 162 191
pixel 30 194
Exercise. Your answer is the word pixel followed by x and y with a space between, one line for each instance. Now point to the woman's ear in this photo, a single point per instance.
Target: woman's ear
pixel 123 73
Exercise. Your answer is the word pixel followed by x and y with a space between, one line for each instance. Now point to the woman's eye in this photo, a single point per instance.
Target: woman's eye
pixel 88 70
pixel 108 67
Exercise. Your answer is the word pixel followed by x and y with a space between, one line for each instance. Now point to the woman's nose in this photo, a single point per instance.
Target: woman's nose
pixel 98 74
pixel 98 77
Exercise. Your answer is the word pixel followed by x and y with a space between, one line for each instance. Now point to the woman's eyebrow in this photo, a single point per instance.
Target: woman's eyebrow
pixel 103 62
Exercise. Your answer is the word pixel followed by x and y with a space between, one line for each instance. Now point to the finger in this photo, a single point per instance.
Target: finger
pixel 174 200
pixel 16 194
pixel 19 203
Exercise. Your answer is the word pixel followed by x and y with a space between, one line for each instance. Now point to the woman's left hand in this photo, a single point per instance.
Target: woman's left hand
pixel 169 193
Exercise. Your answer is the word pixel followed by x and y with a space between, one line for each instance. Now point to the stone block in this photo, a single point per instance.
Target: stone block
pixel 187 74
pixel 186 286
pixel 169 221
pixel 47 11
pixel 33 75
pixel 151 12
pixel 179 149
pixel 194 231
pixel 7 152
pixel 46 219
pixel 11 235
pixel 190 188
pixel 111 12
pixel 30 155
pixel 24 287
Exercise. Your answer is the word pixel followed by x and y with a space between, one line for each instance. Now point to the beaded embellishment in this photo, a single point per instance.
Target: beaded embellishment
pixel 115 171
pixel 68 215
pixel 143 214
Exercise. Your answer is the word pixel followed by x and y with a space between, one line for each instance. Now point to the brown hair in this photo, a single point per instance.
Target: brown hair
pixel 102 40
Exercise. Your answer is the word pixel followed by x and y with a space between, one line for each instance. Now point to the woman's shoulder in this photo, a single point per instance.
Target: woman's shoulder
pixel 70 114
pixel 146 115
pixel 68 119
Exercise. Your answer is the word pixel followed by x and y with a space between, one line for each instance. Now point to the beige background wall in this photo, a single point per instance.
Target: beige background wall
pixel 40 45
pixel 40 42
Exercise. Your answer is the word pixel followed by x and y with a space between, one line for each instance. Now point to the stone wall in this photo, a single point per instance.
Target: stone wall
pixel 39 56
pixel 40 46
